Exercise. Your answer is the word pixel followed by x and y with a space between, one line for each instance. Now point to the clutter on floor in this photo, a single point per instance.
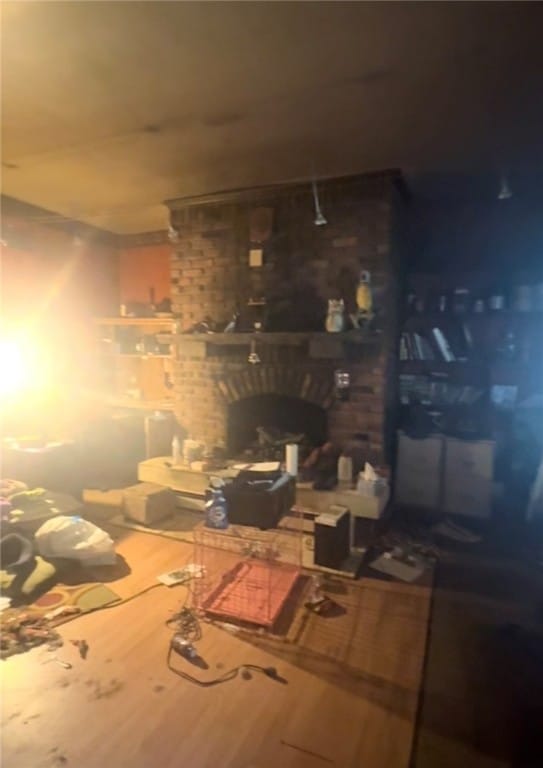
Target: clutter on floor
pixel 24 631
pixel 400 564
pixel 40 547
pixel 181 575
pixel 75 539
pixel 451 530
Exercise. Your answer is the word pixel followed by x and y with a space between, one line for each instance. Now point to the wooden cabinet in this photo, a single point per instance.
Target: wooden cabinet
pixel 135 362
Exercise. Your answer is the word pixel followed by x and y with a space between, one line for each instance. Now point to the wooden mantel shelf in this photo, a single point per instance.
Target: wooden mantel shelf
pixel 319 345
pixel 283 338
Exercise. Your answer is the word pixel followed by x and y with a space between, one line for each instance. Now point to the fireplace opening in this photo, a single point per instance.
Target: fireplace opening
pixel 258 427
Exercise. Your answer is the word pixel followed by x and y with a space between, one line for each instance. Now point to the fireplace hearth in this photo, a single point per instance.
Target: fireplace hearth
pixel 259 427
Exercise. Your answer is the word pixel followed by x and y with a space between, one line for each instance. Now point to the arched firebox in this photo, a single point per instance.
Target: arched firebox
pixel 259 426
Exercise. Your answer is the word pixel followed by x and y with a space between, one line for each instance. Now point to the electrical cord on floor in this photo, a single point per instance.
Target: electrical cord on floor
pixel 113 604
pixel 188 631
pixel 187 625
pixel 270 672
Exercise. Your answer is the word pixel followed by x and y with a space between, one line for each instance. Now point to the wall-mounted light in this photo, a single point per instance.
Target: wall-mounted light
pixel 505 190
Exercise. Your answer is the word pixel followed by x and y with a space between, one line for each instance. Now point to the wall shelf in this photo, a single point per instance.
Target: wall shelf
pixel 140 355
pixel 150 321
pixel 124 366
pixel 140 405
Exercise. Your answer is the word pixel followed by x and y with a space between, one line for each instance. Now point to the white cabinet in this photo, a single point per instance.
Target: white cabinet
pixel 445 473
pixel 467 478
pixel 419 470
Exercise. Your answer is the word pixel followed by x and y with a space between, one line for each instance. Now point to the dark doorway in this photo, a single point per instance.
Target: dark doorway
pixel 280 416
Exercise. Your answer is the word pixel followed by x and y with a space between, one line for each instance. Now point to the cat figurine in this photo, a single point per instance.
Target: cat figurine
pixel 335 319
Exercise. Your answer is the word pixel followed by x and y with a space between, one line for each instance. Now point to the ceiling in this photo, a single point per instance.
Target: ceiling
pixel 110 108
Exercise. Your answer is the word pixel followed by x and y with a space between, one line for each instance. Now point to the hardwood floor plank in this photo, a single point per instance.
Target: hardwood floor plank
pixel 123 707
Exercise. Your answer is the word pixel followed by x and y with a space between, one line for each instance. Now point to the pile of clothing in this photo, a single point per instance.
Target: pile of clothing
pixel 29 561
pixel 21 571
pixel 15 496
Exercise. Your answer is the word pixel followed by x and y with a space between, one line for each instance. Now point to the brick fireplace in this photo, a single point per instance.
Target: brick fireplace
pixel 299 267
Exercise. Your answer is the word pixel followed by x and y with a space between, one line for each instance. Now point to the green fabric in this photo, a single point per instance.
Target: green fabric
pixel 28 578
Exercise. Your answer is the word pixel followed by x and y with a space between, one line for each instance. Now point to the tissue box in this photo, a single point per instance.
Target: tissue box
pixel 146 503
pixel 369 506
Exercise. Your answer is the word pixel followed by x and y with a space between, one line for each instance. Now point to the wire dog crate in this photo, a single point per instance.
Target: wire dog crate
pixel 247 574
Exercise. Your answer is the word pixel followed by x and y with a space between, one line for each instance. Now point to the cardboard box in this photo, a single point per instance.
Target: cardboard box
pixel 146 503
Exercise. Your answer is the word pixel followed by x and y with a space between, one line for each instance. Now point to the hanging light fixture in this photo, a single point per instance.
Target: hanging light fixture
pixel 173 234
pixel 319 216
pixel 505 190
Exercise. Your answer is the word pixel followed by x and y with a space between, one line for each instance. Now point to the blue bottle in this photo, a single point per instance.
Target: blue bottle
pixel 216 506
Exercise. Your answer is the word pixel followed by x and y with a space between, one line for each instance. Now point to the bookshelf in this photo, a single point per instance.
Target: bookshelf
pixel 476 384
pixel 463 331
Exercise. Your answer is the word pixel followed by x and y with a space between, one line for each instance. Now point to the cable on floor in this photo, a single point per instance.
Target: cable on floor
pixel 189 631
pixel 113 604
pixel 270 672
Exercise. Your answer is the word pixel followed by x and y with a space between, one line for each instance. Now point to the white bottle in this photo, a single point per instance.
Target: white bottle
pixel 176 451
pixel 345 472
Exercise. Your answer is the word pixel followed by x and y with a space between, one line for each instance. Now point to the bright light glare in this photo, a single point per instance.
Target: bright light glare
pixel 23 369
pixel 14 371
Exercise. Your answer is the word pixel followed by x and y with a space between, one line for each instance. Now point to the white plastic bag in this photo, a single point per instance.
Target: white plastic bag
pixel 76 539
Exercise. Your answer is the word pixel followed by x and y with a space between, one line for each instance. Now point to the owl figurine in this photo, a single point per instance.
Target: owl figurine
pixel 364 301
pixel 335 319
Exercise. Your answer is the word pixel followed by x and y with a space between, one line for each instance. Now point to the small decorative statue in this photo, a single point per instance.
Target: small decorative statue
pixel 335 319
pixel 364 301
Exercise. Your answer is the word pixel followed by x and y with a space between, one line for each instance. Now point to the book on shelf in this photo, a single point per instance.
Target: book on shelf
pixel 443 345
pixel 414 346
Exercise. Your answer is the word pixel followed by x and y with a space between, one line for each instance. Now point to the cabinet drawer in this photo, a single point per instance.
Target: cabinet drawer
pixel 471 496
pixel 468 458
pixel 418 489
pixel 415 454
pixel 418 471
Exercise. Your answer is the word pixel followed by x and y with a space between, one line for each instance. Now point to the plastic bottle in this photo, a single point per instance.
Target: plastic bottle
pixel 345 472
pixel 176 450
pixel 216 506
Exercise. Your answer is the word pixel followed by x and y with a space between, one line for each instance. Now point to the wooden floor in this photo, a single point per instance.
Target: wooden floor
pixel 123 707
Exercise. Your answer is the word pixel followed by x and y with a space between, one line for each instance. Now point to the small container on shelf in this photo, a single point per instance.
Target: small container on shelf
pixel 461 298
pixel 522 298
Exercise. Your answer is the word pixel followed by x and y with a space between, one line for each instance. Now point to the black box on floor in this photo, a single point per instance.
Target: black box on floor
pixel 260 502
pixel 332 537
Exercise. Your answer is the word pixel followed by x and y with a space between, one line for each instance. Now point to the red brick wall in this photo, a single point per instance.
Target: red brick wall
pixel 304 266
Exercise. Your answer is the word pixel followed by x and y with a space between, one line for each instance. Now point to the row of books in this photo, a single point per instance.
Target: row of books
pixel 424 390
pixel 417 346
